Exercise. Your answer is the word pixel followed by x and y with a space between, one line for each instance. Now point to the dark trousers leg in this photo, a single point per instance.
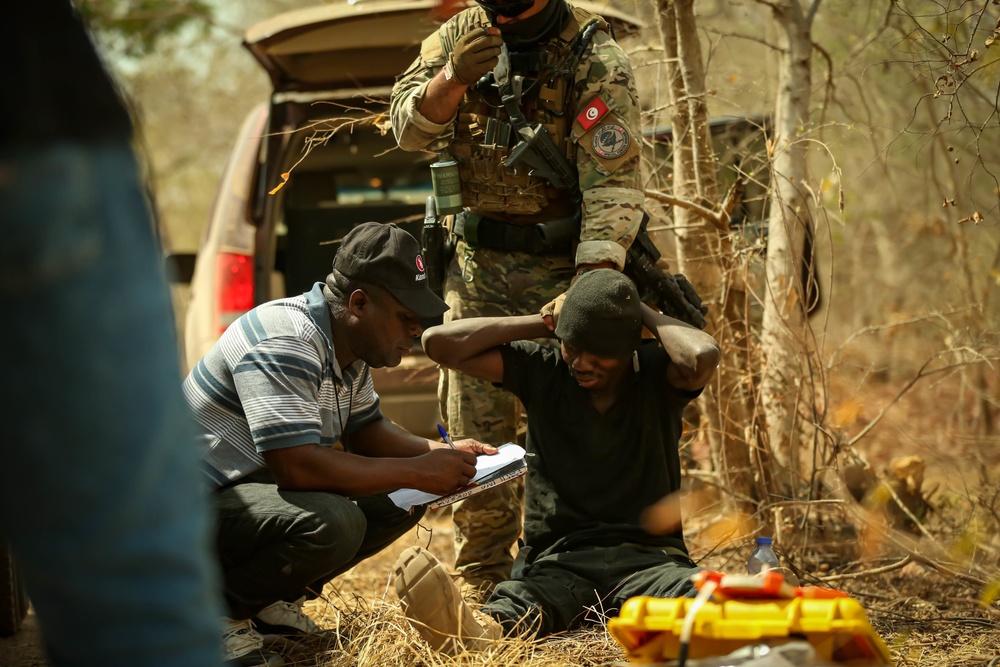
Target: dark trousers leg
pixel 274 544
pixel 549 596
pixel 385 524
pixel 556 592
pixel 655 574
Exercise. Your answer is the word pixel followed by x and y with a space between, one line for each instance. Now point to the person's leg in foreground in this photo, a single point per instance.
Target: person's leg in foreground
pixel 100 493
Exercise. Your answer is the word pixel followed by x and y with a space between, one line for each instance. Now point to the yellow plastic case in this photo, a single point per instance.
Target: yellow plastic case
pixel 649 628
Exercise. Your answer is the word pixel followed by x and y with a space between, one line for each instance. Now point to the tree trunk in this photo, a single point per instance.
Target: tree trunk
pixel 705 255
pixel 785 386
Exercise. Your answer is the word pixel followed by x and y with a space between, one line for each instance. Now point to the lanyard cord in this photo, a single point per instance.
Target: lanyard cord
pixel 350 406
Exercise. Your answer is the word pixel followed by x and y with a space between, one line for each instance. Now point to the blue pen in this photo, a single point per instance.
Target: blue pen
pixel 445 436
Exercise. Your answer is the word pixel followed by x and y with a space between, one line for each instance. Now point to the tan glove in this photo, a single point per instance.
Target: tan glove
pixel 550 311
pixel 475 54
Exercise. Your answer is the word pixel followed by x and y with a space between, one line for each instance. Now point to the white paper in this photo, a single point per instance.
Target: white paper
pixel 507 454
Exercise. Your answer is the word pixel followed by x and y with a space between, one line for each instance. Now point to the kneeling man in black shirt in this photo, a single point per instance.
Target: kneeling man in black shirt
pixel 604 421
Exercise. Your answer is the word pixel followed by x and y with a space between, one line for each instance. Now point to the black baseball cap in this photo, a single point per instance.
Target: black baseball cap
pixel 386 255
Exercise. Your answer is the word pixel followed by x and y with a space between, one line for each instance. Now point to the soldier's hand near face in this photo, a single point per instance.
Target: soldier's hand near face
pixel 550 311
pixel 475 54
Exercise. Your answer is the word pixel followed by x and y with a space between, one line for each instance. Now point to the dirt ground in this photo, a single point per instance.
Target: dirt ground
pixel 25 648
pixel 925 618
pixel 930 593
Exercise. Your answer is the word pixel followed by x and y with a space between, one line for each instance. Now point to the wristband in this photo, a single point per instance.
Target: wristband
pixel 449 73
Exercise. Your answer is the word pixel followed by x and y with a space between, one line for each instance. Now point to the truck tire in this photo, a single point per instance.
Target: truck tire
pixel 13 597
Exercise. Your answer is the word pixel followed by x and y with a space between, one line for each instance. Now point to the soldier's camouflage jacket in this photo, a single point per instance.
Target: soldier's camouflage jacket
pixel 591 111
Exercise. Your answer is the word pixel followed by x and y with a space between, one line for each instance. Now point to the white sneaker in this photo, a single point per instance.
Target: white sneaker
pixel 286 618
pixel 239 638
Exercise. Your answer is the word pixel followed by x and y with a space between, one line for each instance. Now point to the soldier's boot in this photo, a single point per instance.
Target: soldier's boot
pixel 433 605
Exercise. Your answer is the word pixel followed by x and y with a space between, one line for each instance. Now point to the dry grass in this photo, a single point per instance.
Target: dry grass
pixel 361 611
pixel 931 594
pixel 925 617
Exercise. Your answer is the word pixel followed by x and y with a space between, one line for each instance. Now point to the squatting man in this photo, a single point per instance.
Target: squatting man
pixel 280 388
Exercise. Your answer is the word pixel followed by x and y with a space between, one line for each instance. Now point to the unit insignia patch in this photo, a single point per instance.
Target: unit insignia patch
pixel 611 141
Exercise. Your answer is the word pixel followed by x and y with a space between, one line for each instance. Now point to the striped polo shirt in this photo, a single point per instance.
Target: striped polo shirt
pixel 272 381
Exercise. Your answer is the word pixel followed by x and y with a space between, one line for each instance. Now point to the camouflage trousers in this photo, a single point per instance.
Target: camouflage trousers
pixel 502 283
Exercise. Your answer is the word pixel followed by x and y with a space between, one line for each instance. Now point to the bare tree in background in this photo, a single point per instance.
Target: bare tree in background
pixel 785 385
pixel 706 256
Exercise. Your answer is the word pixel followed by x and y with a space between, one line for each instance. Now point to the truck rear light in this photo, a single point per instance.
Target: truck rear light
pixel 234 285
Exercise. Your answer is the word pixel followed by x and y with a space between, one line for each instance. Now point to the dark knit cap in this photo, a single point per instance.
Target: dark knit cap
pixel 601 314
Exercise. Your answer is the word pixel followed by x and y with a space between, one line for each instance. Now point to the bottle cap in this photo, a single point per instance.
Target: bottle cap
pixel 764 540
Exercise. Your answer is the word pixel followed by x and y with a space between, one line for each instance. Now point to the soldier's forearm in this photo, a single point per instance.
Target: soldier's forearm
pixel 600 254
pixel 441 100
pixel 611 219
pixel 413 131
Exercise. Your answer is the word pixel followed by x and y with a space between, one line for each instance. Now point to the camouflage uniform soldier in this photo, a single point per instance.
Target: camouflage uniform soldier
pixel 521 239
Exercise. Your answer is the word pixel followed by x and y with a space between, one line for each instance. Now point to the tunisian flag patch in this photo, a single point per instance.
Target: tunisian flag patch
pixel 593 113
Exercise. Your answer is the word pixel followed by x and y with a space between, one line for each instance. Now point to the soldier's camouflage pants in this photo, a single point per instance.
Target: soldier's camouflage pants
pixel 502 283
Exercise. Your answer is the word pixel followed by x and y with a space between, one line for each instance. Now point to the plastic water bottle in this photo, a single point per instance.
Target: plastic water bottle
pixel 762 555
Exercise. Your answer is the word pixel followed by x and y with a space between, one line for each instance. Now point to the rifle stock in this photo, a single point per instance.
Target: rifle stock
pixel 539 152
pixel 674 295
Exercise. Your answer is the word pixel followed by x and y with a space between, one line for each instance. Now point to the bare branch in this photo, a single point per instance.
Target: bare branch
pixel 749 38
pixel 829 86
pixel 875 328
pixel 716 218
pixel 869 572
pixel 912 381
pixel 811 14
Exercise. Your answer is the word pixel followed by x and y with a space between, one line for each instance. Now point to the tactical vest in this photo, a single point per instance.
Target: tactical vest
pixel 483 136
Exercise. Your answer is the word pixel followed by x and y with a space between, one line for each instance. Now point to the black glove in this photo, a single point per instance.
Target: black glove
pixel 475 54
pixel 687 289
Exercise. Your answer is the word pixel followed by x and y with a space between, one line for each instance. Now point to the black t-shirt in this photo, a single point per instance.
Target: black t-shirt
pixel 53 85
pixel 593 474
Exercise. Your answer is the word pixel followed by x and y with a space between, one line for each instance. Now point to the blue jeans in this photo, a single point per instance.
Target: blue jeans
pixel 101 498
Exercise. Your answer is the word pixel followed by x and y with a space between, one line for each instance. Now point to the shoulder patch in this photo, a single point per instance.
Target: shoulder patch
pixel 610 140
pixel 610 143
pixel 592 113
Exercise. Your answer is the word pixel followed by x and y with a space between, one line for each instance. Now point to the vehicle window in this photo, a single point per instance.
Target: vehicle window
pixel 352 177
pixel 411 187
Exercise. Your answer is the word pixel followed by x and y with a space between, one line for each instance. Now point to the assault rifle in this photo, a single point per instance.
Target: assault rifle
pixel 673 294
pixel 535 148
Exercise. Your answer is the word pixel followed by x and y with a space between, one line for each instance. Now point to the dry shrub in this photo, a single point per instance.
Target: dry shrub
pixel 930 605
